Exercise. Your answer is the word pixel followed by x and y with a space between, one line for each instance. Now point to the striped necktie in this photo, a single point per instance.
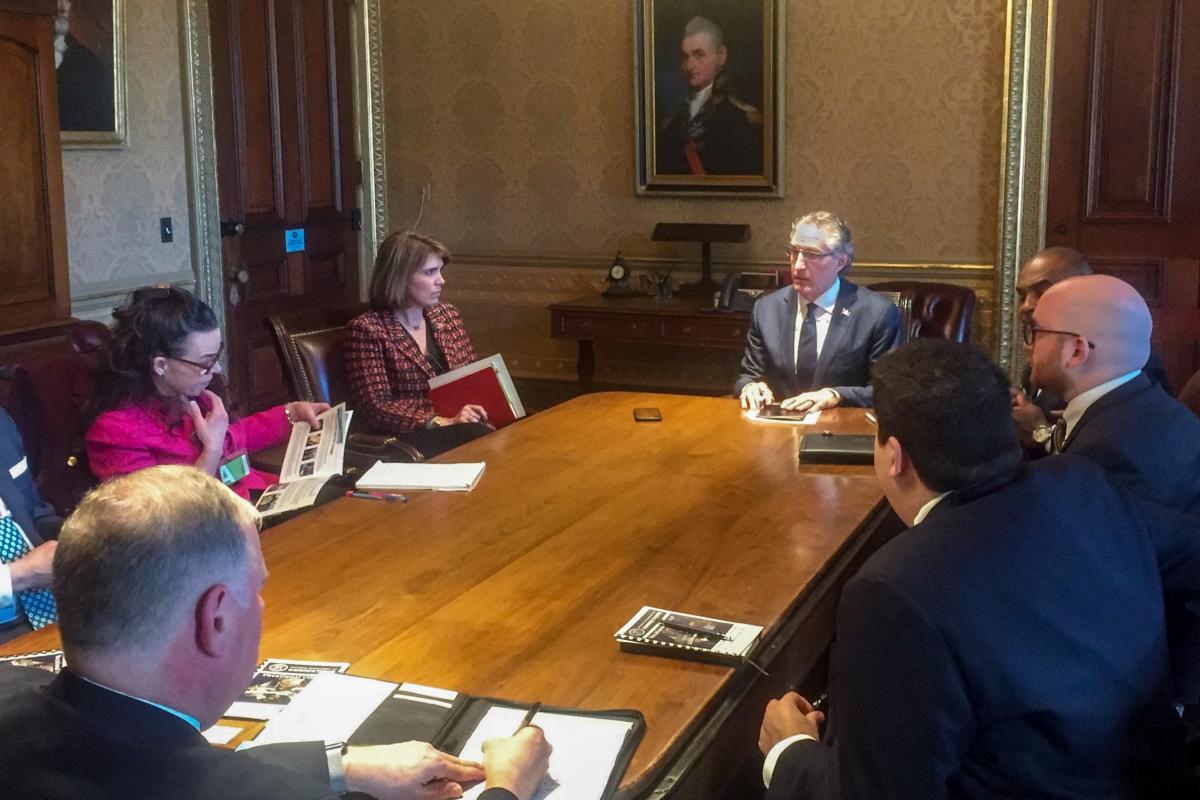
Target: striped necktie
pixel 1058 436
pixel 38 604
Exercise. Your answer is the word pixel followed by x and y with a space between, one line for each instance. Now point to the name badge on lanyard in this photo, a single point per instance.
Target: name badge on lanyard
pixel 234 470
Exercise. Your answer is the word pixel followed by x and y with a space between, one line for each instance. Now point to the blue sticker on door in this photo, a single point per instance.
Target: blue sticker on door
pixel 293 240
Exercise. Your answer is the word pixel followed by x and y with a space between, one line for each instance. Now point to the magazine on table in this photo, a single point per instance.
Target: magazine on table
pixel 313 457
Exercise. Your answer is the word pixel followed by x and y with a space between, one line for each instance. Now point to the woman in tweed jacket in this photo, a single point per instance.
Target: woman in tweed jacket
pixel 407 338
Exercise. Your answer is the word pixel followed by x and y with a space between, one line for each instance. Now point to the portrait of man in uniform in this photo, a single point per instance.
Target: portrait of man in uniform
pixel 708 95
pixel 85 51
pixel 711 132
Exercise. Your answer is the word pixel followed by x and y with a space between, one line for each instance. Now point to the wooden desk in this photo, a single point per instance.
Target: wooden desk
pixel 515 589
pixel 678 321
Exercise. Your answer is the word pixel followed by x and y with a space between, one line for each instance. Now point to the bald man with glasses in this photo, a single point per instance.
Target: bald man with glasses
pixel 811 345
pixel 1088 340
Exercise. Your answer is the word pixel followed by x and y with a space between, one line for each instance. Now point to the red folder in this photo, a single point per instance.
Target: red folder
pixel 485 383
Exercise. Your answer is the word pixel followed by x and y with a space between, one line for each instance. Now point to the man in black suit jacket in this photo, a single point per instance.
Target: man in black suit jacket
pixel 821 331
pixel 990 652
pixel 157 578
pixel 1035 406
pixel 38 523
pixel 1091 335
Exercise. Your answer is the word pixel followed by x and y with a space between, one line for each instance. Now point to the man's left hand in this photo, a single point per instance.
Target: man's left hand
pixel 307 412
pixel 408 771
pixel 811 401
pixel 788 716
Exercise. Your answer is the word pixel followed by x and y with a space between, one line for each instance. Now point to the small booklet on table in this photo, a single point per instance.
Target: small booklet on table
pixel 312 458
pixel 390 477
pixel 658 632
pixel 484 383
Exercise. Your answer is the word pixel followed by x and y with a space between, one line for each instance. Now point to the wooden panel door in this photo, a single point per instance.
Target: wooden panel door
pixel 1124 151
pixel 284 115
pixel 33 258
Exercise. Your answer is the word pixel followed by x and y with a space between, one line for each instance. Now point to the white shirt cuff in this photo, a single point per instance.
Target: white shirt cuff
pixel 337 767
pixel 777 751
pixel 8 605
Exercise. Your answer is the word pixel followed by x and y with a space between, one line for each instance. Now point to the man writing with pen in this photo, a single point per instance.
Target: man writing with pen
pixel 157 578
pixel 811 345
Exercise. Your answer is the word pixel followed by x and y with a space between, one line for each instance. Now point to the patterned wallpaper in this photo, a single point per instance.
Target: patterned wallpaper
pixel 520 117
pixel 114 198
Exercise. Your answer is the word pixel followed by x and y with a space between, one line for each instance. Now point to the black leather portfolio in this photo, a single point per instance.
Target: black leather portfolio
pixel 837 448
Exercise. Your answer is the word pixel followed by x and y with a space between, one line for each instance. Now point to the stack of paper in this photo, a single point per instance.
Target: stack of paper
pixel 437 477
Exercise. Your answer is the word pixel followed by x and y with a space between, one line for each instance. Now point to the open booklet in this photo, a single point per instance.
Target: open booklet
pixel 659 632
pixel 592 749
pixel 312 458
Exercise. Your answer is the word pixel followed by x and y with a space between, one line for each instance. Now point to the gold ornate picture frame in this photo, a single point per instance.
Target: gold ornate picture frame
pixel 90 67
pixel 708 97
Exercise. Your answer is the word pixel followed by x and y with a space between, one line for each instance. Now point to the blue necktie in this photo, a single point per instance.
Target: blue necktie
pixel 38 604
pixel 806 354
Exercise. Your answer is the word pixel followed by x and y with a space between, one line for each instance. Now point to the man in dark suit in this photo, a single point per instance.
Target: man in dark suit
pixel 1088 340
pixel 26 550
pixel 1034 406
pixel 991 652
pixel 821 331
pixel 157 578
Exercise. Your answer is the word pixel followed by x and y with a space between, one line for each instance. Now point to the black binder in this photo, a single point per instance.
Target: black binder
pixel 400 719
pixel 837 448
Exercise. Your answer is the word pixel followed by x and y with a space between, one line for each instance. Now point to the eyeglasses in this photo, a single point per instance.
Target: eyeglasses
pixel 806 254
pixel 1029 332
pixel 204 367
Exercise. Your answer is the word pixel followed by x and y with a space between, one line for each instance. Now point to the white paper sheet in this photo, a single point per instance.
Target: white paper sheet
pixel 220 734
pixel 585 751
pixel 329 709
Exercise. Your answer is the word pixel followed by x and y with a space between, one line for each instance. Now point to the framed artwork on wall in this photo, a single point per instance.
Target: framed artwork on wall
pixel 89 62
pixel 709 97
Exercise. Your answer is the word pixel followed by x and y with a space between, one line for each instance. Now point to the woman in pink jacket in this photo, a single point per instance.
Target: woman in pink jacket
pixel 154 406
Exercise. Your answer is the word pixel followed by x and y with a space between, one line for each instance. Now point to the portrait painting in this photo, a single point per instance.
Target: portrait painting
pixel 708 94
pixel 90 70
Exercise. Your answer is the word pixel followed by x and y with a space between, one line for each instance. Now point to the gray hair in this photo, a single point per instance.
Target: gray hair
pixel 837 232
pixel 137 552
pixel 706 26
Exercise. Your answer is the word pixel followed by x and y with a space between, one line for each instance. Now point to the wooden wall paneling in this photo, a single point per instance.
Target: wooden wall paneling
pixel 1124 144
pixel 33 261
pixel 1131 109
pixel 287 93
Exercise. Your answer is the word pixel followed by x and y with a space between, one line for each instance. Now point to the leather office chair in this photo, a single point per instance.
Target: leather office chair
pixel 47 399
pixel 310 349
pixel 931 310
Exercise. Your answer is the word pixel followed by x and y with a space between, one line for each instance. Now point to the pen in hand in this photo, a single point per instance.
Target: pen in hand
pixel 528 718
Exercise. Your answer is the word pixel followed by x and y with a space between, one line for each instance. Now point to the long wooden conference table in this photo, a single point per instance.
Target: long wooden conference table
pixel 583 515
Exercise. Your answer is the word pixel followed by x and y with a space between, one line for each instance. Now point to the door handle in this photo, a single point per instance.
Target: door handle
pixel 232 227
pixel 240 275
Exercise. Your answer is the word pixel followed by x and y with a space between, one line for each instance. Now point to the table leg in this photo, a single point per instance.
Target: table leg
pixel 586 366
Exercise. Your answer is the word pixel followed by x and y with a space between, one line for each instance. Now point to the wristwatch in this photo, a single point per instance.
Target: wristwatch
pixel 1042 433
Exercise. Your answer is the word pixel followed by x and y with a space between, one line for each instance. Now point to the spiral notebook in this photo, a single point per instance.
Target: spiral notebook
pixel 658 632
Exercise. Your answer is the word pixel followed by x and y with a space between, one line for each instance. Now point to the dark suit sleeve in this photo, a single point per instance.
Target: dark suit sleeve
pixel 754 360
pixel 900 711
pixel 1176 541
pixel 12 451
pixel 307 758
pixel 885 335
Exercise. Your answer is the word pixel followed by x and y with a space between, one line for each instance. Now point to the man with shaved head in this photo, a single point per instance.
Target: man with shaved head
pixel 1034 405
pixel 1088 340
